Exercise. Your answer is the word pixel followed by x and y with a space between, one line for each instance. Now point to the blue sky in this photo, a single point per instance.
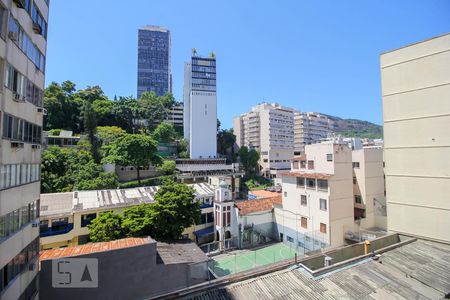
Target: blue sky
pixel 311 55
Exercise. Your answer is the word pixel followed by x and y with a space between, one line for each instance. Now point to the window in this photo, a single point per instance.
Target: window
pixel 323 204
pixel 285 194
pixel 303 164
pixel 329 157
pixel 322 184
pixel 354 179
pixel 87 219
pixel 355 165
pixel 226 215
pixel 295 165
pixel 24 42
pixel 300 181
pixel 303 200
pixel 59 224
pixel 39 25
pixel 289 239
pixel 304 222
pixel 323 228
pixel 358 199
pixel 310 164
pixel 310 183
pixel 2 22
pixel 12 222
pixel 15 175
pixel 13 128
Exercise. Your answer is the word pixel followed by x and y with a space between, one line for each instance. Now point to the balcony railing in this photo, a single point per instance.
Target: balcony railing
pixel 51 232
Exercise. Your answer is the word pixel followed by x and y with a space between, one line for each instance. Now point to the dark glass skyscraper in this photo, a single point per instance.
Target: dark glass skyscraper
pixel 154 61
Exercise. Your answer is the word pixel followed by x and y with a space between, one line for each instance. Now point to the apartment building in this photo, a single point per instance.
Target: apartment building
pixel 317 197
pixel 269 129
pixel 369 188
pixel 200 106
pixel 154 74
pixel 416 120
pixel 23 40
pixel 65 216
pixel 309 128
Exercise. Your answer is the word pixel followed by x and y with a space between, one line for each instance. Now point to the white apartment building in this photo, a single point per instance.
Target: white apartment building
pixel 23 32
pixel 318 197
pixel 268 128
pixel 309 128
pixel 416 120
pixel 200 106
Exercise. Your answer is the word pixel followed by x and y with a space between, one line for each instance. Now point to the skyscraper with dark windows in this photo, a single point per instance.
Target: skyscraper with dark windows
pixel 23 43
pixel 154 61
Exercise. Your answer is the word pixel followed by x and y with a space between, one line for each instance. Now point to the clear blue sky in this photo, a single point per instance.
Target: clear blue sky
pixel 311 55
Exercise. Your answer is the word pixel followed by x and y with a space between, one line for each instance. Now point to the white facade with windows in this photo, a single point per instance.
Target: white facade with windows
pixel 310 128
pixel 200 107
pixel 23 34
pixel 269 129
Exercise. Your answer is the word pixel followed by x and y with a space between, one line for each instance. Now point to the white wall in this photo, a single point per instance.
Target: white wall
pixel 203 125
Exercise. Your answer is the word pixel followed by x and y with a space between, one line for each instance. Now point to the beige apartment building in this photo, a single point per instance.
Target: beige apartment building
pixel 310 128
pixel 416 119
pixel 23 40
pixel 268 128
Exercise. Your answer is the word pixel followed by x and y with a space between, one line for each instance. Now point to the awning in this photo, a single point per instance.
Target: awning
pixel 203 232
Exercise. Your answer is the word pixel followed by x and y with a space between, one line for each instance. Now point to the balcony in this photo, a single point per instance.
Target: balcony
pixel 50 231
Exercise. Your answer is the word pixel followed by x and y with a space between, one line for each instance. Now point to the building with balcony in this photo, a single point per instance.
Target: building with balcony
pixel 65 216
pixel 23 42
pixel 154 74
pixel 310 128
pixel 415 82
pixel 200 106
pixel 269 129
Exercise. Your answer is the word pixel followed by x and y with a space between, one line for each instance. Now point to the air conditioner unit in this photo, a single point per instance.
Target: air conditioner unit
pixel 17 145
pixel 35 223
pixel 42 110
pixel 13 36
pixel 18 98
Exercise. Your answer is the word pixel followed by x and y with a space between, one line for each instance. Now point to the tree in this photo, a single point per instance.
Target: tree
pixel 174 210
pixel 249 160
pixel 68 169
pixel 137 220
pixel 164 132
pixel 153 108
pixel 225 142
pixel 90 126
pixel 135 150
pixel 106 227
pixel 168 167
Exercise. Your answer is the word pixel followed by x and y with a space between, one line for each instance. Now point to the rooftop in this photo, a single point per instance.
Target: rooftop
pixel 418 270
pixel 264 194
pixel 258 205
pixel 59 204
pixel 180 252
pixel 93 248
pixel 307 175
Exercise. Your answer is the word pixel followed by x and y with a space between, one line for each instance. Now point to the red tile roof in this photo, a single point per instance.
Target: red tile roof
pixel 307 175
pixel 257 205
pixel 264 194
pixel 92 248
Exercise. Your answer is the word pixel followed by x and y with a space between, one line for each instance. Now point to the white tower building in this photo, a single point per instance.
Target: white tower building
pixel 200 106
pixel 223 213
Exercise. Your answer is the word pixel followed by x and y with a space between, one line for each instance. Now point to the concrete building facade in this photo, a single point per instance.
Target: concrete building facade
pixel 416 120
pixel 154 74
pixel 23 40
pixel 269 129
pixel 310 128
pixel 200 106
